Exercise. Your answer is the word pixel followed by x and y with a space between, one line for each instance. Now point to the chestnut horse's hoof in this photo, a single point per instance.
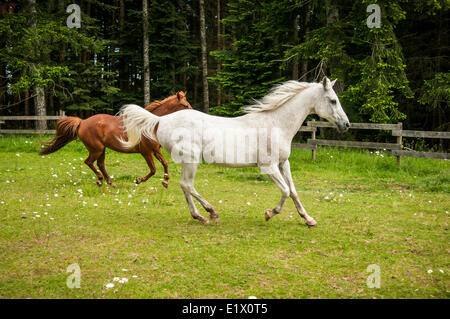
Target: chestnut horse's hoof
pixel 99 182
pixel 138 181
pixel 165 184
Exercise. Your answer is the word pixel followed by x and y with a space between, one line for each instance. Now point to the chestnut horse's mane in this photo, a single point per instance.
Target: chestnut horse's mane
pixel 155 104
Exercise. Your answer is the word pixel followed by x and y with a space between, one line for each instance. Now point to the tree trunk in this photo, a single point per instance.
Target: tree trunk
pixel 146 53
pixel 123 64
pixel 204 57
pixel 39 107
pixel 306 26
pixel 295 64
pixel 86 53
pixel 27 107
pixel 219 47
pixel 39 99
pixel 332 17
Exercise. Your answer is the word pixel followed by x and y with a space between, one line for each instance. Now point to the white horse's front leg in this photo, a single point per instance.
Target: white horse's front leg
pixel 285 169
pixel 275 174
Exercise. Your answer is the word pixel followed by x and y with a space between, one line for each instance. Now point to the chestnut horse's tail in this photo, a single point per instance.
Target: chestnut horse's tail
pixel 66 131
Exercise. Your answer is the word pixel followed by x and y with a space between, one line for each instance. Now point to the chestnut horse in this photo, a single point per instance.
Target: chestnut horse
pixel 103 130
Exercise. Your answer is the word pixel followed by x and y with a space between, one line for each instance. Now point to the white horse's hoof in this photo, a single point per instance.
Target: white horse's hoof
pixel 202 219
pixel 268 214
pixel 311 222
pixel 215 219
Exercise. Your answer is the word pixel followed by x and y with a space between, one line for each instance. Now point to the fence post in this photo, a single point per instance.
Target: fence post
pixel 313 137
pixel 399 140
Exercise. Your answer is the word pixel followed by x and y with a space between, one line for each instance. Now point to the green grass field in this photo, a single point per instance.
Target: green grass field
pixel 369 211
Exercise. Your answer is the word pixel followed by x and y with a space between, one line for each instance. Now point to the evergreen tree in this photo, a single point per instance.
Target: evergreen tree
pixel 367 61
pixel 252 65
pixel 171 50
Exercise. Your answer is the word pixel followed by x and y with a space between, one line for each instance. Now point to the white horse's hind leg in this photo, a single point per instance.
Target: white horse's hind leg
pixel 207 206
pixel 278 179
pixel 285 169
pixel 187 185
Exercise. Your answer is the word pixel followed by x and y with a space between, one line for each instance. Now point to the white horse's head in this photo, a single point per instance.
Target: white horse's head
pixel 329 107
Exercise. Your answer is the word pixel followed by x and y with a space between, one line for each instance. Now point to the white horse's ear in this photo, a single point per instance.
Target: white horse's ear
pixel 325 83
pixel 332 82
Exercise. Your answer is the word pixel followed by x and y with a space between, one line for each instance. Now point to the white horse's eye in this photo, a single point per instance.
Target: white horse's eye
pixel 333 101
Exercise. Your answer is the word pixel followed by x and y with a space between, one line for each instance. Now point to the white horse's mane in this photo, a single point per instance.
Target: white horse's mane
pixel 277 96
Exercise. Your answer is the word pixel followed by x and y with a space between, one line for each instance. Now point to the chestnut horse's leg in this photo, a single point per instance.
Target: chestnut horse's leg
pixel 101 165
pixel 148 155
pixel 93 156
pixel 163 161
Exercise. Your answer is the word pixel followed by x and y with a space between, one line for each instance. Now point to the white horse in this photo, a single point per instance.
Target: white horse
pixel 260 138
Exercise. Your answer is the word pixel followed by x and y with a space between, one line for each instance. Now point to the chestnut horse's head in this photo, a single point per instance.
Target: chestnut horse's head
pixel 182 101
pixel 176 102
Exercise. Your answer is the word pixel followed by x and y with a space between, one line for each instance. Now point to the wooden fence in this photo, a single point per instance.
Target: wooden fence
pixel 29 118
pixel 312 143
pixel 396 148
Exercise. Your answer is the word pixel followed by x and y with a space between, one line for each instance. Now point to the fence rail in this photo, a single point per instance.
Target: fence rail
pixel 426 134
pixel 375 145
pixel 29 118
pixel 396 148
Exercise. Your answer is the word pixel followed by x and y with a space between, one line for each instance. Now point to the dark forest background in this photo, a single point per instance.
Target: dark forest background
pixel 398 72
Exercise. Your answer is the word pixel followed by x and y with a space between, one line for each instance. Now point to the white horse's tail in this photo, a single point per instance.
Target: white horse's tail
pixel 137 122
